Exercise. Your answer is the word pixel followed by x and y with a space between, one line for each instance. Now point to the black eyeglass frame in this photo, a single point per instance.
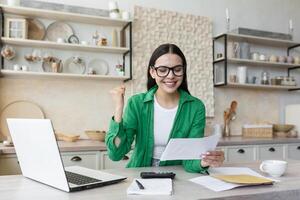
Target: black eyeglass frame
pixel 169 69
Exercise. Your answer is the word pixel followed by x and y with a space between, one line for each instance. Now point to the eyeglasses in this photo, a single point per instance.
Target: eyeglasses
pixel 163 71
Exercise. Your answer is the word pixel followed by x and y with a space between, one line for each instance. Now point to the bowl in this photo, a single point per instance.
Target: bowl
pixel 282 127
pixel 96 135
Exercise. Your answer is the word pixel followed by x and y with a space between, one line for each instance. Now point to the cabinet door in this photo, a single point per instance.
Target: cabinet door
pixel 293 151
pixel 107 163
pixel 84 159
pixel 240 154
pixel 9 165
pixel 268 152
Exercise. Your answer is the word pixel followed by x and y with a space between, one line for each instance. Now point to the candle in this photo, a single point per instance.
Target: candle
pixel 227 13
pixel 291 24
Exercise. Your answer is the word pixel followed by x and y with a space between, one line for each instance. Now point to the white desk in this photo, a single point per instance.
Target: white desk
pixel 18 187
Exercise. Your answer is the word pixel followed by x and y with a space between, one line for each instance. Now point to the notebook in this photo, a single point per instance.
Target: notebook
pixel 153 186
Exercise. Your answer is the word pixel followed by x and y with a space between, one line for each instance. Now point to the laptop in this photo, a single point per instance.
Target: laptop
pixel 39 158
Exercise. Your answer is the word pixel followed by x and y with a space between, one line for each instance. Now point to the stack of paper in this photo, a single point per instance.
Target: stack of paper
pixel 153 186
pixel 218 185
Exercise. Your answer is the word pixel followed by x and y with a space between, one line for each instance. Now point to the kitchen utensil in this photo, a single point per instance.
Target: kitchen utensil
pixel 36 29
pixel 74 65
pixel 288 81
pixel 59 30
pixel 66 137
pixel 73 39
pixel 19 109
pixel 96 135
pixel 100 66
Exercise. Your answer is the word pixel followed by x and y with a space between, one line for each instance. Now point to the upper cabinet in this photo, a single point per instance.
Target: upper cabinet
pixel 245 61
pixel 48 43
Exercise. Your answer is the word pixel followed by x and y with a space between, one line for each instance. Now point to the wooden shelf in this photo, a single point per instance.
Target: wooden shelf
pixel 64 46
pixel 260 63
pixel 64 16
pixel 260 40
pixel 275 87
pixel 11 73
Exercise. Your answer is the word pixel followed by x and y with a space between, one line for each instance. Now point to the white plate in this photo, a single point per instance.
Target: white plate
pixel 100 66
pixel 59 30
pixel 71 67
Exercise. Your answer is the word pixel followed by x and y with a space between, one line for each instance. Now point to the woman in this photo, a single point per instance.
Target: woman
pixel 166 110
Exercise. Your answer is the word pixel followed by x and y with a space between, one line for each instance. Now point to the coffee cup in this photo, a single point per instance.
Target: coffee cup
pixel 274 168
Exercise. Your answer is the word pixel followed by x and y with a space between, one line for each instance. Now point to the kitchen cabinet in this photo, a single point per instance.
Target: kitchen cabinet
pixel 240 154
pixel 107 163
pixel 293 151
pixel 270 151
pixel 106 72
pixel 9 164
pixel 228 56
pixel 85 159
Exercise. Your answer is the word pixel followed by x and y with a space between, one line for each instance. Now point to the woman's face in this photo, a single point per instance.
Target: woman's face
pixel 168 72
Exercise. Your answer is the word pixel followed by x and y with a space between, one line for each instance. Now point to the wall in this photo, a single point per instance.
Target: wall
pixel 76 105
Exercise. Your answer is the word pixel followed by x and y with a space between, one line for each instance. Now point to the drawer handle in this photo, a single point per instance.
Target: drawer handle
pixel 125 157
pixel 76 159
pixel 298 147
pixel 241 151
pixel 272 149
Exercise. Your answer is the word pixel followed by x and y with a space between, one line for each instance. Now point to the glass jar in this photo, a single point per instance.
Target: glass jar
pixel 265 78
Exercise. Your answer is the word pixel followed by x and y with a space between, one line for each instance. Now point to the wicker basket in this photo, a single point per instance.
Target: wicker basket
pixel 258 131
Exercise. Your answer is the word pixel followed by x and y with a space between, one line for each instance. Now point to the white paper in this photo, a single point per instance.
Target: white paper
pixel 153 186
pixel 189 148
pixel 218 185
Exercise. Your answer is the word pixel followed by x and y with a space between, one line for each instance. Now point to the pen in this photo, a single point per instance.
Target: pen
pixel 140 185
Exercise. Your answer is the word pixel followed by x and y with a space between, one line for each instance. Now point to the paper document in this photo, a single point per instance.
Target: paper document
pixel 219 185
pixel 189 148
pixel 152 186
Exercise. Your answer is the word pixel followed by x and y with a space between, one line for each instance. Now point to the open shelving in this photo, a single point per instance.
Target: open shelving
pixel 27 12
pixel 271 42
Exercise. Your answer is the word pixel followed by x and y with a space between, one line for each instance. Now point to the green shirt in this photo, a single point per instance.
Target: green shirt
pixel 137 124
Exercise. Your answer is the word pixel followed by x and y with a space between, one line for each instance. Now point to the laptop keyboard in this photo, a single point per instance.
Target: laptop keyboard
pixel 79 179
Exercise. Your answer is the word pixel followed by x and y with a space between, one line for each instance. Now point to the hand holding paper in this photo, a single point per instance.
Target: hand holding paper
pixel 189 148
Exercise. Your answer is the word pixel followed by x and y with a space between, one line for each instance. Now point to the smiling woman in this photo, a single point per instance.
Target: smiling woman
pixel 166 110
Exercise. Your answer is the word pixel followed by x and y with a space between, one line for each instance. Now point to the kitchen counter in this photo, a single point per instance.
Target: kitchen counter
pixel 17 187
pixel 80 145
pixel 89 145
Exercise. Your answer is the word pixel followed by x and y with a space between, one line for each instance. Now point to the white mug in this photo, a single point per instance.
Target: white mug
pixel 242 74
pixel 274 168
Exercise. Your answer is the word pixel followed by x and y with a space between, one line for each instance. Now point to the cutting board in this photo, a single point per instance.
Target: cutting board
pixel 18 109
pixel 292 115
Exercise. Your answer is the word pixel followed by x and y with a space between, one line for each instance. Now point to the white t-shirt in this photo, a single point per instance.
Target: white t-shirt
pixel 163 123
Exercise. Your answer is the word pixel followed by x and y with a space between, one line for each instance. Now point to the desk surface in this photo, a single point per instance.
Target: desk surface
pixel 18 187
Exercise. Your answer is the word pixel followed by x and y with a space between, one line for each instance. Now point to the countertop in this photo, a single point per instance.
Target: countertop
pixel 17 187
pixel 89 145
